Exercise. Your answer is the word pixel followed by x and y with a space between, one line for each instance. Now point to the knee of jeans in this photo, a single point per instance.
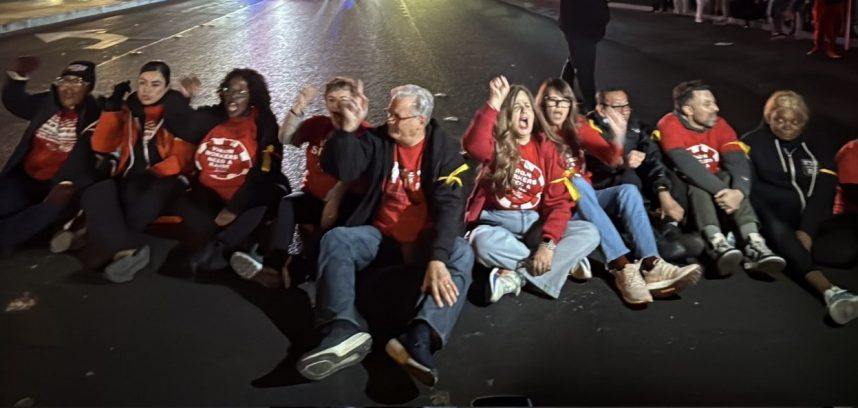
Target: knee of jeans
pixel 591 234
pixel 334 240
pixel 484 240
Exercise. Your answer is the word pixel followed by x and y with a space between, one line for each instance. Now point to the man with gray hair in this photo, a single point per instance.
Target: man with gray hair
pixel 415 203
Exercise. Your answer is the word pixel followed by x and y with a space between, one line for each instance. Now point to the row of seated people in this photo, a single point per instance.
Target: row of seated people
pixel 538 189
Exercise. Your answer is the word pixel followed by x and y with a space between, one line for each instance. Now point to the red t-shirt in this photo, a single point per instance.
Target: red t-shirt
pixel 527 182
pixel 707 146
pixel 51 146
pixel 316 131
pixel 847 173
pixel 403 213
pixel 226 155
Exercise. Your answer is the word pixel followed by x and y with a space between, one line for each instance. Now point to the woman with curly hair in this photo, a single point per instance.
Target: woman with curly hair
pixel 635 280
pixel 793 189
pixel 521 190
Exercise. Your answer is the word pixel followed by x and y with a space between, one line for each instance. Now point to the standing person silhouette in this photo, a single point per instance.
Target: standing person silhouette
pixel 583 23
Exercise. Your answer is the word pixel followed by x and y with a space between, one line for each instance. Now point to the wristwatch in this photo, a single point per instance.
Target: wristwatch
pixel 548 243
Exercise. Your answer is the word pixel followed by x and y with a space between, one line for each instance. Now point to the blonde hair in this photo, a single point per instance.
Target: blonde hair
pixel 785 100
pixel 506 147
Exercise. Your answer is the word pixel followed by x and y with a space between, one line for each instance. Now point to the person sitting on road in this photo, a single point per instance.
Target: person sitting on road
pixel 634 280
pixel 643 167
pixel 148 163
pixel 836 242
pixel 793 191
pixel 520 189
pixel 706 153
pixel 48 166
pixel 415 203
pixel 323 201
pixel 238 183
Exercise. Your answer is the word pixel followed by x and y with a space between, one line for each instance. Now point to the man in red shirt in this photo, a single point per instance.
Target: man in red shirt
pixel 706 154
pixel 416 202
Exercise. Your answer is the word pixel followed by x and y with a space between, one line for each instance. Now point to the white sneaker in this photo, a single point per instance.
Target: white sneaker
pixel 666 278
pixel 631 284
pixel 502 284
pixel 582 271
pixel 842 305
pixel 245 265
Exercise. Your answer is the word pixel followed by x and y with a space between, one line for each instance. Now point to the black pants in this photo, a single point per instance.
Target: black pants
pixel 778 224
pixel 582 63
pixel 836 243
pixel 118 210
pixel 24 212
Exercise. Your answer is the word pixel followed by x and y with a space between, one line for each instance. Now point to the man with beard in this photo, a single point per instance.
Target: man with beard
pixel 707 154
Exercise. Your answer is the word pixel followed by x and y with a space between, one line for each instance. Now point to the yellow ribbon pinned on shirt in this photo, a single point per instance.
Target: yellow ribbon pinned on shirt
pixel 656 135
pixel 266 158
pixel 567 181
pixel 595 127
pixel 745 148
pixel 829 172
pixel 454 178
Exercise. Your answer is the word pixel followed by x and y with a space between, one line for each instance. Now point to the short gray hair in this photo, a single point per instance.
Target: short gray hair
pixel 423 100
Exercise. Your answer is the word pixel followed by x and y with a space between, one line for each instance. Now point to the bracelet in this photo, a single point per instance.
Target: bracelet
pixel 548 244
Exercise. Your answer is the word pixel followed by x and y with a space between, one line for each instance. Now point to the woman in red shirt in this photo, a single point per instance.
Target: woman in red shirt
pixel 520 189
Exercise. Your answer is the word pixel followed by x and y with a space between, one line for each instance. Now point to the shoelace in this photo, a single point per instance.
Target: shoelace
pixel 629 279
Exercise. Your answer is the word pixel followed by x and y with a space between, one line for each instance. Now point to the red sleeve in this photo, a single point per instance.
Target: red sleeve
pixel 179 161
pixel 556 202
pixel 478 140
pixel 593 143
pixel 728 140
pixel 839 204
pixel 108 132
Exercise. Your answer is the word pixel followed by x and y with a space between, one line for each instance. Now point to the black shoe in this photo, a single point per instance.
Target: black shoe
pixel 413 351
pixel 208 258
pixel 343 346
pixel 672 251
pixel 123 269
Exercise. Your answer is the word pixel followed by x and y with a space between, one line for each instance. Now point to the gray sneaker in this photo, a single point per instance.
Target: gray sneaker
pixel 502 284
pixel 727 258
pixel 842 305
pixel 760 258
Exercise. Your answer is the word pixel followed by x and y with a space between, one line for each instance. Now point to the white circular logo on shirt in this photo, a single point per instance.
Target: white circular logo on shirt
pixel 526 191
pixel 223 159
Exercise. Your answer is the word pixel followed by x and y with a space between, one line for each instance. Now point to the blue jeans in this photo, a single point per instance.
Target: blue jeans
pixel 625 202
pixel 497 244
pixel 345 251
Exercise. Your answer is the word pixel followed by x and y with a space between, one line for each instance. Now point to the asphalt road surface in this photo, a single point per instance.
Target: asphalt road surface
pixel 163 339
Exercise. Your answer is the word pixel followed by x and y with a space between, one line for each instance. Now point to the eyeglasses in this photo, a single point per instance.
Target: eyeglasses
pixel 617 107
pixel 236 93
pixel 394 118
pixel 71 82
pixel 557 102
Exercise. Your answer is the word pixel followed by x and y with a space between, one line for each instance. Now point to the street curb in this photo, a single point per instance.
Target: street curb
pixel 25 24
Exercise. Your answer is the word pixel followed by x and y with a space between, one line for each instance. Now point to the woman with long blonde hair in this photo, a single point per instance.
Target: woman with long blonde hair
pixel 520 190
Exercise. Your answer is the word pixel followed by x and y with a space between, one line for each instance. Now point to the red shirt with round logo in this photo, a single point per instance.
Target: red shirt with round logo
pixel 706 146
pixel 51 146
pixel 403 213
pixel 316 131
pixel 226 155
pixel 527 182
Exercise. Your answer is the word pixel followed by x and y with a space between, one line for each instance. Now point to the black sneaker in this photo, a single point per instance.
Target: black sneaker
pixel 727 258
pixel 343 346
pixel 760 257
pixel 413 351
pixel 123 269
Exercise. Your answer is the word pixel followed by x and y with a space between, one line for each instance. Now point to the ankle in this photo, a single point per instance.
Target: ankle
pixel 619 263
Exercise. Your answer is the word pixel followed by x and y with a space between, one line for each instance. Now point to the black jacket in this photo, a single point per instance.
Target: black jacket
pixel 584 18
pixel 348 157
pixel 792 179
pixel 38 109
pixel 651 174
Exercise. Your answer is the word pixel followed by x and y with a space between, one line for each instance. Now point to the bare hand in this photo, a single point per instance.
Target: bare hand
pixel 439 283
pixel 224 218
pixel 729 200
pixel 635 158
pixel 498 91
pixel 354 110
pixel 670 208
pixel 26 65
pixel 189 86
pixel 307 94
pixel 618 124
pixel 542 261
pixel 805 239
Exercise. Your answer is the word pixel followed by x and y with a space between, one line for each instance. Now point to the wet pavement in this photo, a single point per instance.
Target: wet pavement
pixel 163 340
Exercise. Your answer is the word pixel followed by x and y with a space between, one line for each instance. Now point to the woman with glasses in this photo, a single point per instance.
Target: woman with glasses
pixel 792 191
pixel 146 145
pixel 520 191
pixel 40 178
pixel 320 201
pixel 649 274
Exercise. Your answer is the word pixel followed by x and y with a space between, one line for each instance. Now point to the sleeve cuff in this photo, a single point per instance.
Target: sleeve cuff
pixel 16 76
